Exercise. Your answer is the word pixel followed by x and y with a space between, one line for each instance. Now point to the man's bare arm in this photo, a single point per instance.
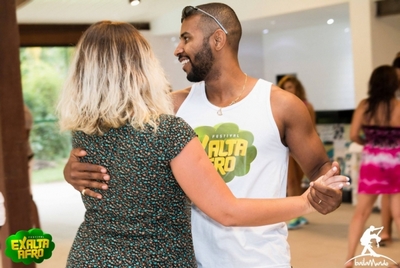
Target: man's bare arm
pixel 298 133
pixel 178 97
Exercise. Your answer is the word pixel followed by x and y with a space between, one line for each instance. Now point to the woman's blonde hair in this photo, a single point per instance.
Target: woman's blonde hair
pixel 114 79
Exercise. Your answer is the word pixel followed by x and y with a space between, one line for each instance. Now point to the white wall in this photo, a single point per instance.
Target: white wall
pixel 245 10
pixel 361 14
pixel 333 65
pixel 250 55
pixel 375 42
pixel 321 57
pixel 385 40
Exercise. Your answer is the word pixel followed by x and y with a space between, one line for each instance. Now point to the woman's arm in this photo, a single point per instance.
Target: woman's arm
pixel 356 123
pixel 207 190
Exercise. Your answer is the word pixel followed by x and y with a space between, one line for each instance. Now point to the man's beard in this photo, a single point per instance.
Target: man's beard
pixel 204 61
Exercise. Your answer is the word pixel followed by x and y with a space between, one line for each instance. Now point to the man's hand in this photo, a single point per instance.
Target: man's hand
pixel 83 176
pixel 323 198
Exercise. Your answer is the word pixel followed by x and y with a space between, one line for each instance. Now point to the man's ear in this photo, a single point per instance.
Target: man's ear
pixel 219 39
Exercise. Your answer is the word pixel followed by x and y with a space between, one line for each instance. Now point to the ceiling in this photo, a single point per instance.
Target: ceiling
pixel 90 11
pixel 307 18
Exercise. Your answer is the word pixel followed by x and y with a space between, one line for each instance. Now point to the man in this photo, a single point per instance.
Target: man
pixel 247 126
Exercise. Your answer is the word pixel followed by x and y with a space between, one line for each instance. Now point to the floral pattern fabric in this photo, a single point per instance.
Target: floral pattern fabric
pixel 143 219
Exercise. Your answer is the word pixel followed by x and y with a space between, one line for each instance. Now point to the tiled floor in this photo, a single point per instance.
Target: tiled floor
pixel 320 244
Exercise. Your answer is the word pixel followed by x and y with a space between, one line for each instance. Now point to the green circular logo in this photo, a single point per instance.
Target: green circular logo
pixel 29 246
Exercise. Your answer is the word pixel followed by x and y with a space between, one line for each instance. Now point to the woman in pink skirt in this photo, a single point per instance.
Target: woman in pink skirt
pixel 376 125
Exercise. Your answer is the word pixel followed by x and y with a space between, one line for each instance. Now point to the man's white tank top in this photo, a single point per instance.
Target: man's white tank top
pixel 245 146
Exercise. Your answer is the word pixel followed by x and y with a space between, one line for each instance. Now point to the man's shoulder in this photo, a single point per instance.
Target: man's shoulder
pixel 283 101
pixel 181 93
pixel 179 96
pixel 280 95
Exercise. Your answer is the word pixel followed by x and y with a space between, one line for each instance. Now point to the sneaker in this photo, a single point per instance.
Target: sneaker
pixel 297 223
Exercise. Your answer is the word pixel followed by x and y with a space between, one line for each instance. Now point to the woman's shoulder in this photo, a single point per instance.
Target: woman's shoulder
pixel 171 122
pixel 363 103
pixel 179 96
pixel 174 131
pixel 171 119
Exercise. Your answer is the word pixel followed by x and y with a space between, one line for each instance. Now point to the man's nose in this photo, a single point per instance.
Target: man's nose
pixel 178 50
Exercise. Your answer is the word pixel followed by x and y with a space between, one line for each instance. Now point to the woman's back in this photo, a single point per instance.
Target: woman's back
pixel 378 132
pixel 143 218
pixel 379 118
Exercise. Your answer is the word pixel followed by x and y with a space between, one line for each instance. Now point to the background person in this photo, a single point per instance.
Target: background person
pixel 386 215
pixel 295 173
pixel 2 211
pixel 378 116
pixel 264 120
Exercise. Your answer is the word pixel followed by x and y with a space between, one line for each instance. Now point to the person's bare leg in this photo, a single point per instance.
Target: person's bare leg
pixel 395 210
pixel 386 217
pixel 363 209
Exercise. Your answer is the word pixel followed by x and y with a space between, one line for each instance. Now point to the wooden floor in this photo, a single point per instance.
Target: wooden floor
pixel 320 244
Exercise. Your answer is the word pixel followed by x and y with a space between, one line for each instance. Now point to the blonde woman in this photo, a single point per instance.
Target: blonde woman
pixel 116 103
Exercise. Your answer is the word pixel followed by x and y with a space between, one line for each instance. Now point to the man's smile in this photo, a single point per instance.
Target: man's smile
pixel 183 62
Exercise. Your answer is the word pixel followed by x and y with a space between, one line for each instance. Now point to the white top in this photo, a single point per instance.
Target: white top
pixel 244 145
pixel 2 210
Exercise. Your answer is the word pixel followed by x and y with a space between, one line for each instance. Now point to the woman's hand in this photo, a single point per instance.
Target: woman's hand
pixel 330 180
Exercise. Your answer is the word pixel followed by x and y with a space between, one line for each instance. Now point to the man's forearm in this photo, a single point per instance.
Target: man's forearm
pixel 321 170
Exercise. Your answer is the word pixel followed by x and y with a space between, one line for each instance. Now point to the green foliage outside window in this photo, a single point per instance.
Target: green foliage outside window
pixel 43 72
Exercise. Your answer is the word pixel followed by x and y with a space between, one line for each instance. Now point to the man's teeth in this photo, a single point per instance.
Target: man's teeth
pixel 184 62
